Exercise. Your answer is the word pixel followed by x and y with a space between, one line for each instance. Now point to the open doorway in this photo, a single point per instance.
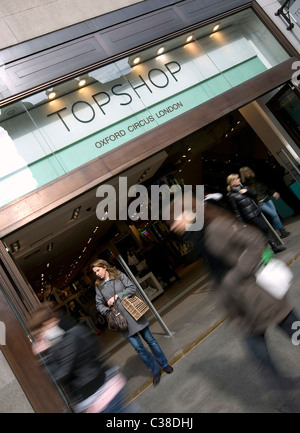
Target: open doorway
pixel 59 246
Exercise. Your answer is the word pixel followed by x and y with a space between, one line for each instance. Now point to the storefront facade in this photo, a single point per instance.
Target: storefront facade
pixel 81 111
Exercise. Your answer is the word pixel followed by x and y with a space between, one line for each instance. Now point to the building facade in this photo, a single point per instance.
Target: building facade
pixel 100 93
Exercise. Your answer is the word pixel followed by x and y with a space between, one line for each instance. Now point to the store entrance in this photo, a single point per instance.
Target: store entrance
pixel 54 252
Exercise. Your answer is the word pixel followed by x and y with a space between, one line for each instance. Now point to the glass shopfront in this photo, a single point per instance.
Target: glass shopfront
pixel 50 133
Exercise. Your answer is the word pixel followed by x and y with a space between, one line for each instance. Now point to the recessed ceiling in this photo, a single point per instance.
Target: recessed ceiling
pixel 58 246
pixel 69 237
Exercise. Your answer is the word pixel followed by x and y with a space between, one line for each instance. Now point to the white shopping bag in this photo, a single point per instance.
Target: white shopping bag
pixel 275 278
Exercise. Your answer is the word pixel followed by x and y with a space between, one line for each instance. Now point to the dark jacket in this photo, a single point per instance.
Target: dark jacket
pixel 243 205
pixel 74 362
pixel 264 192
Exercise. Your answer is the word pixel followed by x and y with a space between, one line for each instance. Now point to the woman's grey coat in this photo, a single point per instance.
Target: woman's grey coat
pixel 123 287
pixel 240 249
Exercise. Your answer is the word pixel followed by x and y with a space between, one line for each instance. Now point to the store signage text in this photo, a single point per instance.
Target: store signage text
pixel 99 103
pixel 137 125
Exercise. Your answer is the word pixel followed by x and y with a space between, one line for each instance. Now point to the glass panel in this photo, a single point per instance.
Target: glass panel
pixel 285 106
pixel 43 138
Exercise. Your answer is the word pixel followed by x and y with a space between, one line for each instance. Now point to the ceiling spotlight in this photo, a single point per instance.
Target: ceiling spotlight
pixel 216 27
pixel 136 60
pixel 160 50
pixel 75 213
pixel 51 95
pixel 189 38
pixel 81 83
pixel 15 247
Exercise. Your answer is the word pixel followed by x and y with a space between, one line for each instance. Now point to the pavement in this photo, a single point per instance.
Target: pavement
pixel 213 371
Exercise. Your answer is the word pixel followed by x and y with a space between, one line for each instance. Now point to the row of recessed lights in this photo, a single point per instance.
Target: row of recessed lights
pixel 162 49
pixel 82 82
pixel 52 94
pixel 76 261
pixel 75 215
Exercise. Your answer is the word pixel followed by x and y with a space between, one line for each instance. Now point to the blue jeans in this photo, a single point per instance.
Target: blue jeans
pixel 270 209
pixel 143 353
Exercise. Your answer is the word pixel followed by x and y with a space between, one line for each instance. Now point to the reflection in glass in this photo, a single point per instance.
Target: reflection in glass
pixel 104 108
pixel 16 177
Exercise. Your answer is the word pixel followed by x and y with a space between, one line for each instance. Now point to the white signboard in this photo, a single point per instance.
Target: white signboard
pixel 295 11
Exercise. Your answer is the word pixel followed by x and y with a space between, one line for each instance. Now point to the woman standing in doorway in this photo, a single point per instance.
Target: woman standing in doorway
pixel 241 200
pixel 113 286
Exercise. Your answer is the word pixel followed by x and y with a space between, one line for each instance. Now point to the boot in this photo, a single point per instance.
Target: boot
pixel 277 248
pixel 284 233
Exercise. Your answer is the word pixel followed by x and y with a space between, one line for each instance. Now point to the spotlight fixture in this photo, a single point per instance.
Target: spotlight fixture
pixel 216 27
pixel 189 39
pixel 75 213
pixel 160 50
pixel 82 82
pixel 136 60
pixel 15 247
pixel 51 95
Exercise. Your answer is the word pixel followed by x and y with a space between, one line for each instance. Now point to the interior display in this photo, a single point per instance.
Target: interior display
pixel 150 285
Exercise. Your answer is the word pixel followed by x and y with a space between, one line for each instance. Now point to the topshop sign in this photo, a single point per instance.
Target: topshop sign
pixel 46 139
pixel 125 102
pixel 85 112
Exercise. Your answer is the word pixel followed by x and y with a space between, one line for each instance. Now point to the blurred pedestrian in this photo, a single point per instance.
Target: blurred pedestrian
pixel 241 200
pixel 233 254
pixel 263 198
pixel 73 356
pixel 79 315
pixel 110 280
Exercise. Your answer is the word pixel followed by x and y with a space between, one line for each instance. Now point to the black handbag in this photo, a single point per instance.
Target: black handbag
pixel 116 321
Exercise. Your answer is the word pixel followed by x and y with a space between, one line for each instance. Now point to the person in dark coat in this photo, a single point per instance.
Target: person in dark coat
pixel 272 171
pixel 263 198
pixel 72 355
pixel 111 287
pixel 233 254
pixel 241 200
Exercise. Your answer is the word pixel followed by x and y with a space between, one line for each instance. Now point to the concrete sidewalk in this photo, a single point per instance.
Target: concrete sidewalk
pixel 213 371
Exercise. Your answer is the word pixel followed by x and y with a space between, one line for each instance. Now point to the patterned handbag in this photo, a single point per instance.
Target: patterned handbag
pixel 135 306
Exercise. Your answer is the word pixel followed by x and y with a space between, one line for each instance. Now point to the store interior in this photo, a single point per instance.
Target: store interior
pixel 54 253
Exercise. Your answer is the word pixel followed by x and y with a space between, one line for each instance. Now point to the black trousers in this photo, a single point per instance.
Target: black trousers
pixel 263 226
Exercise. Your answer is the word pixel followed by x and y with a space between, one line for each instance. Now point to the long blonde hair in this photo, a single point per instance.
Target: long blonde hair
pixel 243 171
pixel 112 270
pixel 229 180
